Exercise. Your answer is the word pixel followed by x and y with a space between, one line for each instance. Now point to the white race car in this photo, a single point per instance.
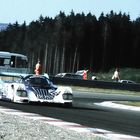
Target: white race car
pixel 35 89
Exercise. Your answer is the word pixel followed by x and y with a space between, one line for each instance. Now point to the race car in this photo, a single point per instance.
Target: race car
pixel 33 88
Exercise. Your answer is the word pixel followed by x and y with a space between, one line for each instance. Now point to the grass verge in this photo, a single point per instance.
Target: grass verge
pixel 111 91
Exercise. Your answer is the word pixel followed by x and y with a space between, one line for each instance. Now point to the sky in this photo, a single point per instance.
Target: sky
pixel 30 10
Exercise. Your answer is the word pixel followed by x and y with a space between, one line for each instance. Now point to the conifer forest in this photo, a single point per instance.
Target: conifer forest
pixel 68 43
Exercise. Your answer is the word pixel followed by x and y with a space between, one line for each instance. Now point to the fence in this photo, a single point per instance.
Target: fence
pixel 95 84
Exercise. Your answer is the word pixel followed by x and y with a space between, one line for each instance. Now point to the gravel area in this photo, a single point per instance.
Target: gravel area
pixel 13 127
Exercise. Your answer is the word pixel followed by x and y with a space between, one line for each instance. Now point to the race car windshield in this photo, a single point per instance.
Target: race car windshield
pixel 39 81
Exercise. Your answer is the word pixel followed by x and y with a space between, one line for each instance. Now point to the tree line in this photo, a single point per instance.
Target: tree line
pixel 68 43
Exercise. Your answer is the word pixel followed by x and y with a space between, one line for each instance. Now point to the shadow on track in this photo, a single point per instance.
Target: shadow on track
pixel 19 106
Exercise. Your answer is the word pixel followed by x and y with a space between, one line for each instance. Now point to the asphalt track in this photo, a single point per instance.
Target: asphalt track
pixel 87 114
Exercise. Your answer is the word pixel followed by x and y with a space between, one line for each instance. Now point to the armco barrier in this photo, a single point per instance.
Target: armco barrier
pixel 95 84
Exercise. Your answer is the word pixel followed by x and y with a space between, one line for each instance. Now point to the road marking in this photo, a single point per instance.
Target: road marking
pixel 69 125
pixel 110 104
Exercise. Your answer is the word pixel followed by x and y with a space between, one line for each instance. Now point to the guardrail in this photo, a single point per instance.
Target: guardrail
pixel 95 84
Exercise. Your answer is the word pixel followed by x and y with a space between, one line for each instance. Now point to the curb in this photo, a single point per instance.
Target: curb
pixel 99 134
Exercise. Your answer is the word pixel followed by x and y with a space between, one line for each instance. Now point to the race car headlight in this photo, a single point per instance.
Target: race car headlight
pixel 21 93
pixel 67 96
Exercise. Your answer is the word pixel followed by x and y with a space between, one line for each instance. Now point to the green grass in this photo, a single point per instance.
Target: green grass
pixel 111 91
pixel 125 73
pixel 107 91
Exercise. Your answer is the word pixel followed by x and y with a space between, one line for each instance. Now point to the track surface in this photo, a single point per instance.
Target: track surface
pixel 120 121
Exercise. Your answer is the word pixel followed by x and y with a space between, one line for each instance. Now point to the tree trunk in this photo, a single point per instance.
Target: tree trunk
pixel 45 59
pixel 63 60
pixel 74 60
